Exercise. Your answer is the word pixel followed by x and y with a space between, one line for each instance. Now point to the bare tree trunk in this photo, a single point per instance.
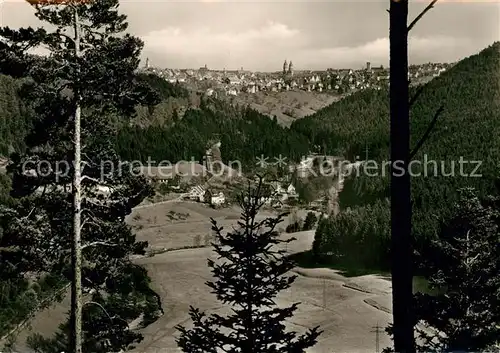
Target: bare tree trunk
pixel 76 288
pixel 402 275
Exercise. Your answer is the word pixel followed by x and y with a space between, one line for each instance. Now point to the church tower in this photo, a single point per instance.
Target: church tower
pixel 147 63
pixel 285 67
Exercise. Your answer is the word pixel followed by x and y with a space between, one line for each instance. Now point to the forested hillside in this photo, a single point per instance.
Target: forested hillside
pixel 244 133
pixel 13 118
pixel 467 130
pixel 164 88
pixel 468 126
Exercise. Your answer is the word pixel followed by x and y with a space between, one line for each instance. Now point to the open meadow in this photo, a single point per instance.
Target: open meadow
pixel 347 309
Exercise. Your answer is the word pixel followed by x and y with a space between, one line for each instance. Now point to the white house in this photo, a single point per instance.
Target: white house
pixel 265 200
pixel 197 193
pixel 219 199
pixel 102 190
pixel 278 188
pixel 234 80
pixel 99 190
pixel 251 88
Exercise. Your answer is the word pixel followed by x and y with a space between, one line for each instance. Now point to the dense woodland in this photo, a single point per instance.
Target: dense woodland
pixel 468 128
pixel 244 133
pixel 43 213
pixel 14 121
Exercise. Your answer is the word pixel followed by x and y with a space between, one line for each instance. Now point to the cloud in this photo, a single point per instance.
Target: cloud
pixel 421 49
pixel 314 34
pixel 240 48
pixel 205 40
pixel 266 47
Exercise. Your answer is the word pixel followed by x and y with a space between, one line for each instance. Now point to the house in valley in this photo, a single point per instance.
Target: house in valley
pixel 197 193
pixel 292 193
pixel 218 200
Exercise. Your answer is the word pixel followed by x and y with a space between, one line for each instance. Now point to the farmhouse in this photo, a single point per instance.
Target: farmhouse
pixel 292 193
pixel 218 199
pixel 197 194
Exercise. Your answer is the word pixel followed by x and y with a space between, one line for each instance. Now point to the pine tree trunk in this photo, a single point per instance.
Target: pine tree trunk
pixel 76 288
pixel 402 296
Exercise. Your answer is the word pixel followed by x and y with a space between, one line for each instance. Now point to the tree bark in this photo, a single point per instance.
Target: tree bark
pixel 402 274
pixel 76 287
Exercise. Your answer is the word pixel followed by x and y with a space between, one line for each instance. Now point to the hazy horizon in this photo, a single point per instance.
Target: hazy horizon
pixel 260 35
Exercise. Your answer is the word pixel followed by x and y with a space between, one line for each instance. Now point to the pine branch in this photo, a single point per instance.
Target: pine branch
pixel 10 249
pixel 95 243
pixel 414 22
pixel 427 133
pixel 419 91
pixel 35 311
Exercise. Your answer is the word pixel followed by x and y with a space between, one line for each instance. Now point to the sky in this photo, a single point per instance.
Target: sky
pixel 260 35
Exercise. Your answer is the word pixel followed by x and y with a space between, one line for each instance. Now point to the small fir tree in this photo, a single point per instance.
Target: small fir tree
pixel 310 221
pixel 249 273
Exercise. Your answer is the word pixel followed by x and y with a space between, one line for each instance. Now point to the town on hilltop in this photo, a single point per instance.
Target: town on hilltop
pixel 224 82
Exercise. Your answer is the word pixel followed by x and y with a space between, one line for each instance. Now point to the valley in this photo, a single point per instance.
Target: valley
pixel 346 308
pixel 152 155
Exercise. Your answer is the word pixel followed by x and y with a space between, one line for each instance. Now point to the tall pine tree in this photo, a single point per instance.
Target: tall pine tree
pixel 74 191
pixel 401 156
pixel 463 265
pixel 249 273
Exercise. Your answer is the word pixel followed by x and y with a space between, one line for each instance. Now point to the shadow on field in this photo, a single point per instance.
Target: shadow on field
pixel 350 269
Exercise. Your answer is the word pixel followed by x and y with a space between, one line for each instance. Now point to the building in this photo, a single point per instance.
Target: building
pixel 218 200
pixel 203 70
pixel 292 193
pixel 207 196
pixel 197 194
pixel 232 92
pixel 263 199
